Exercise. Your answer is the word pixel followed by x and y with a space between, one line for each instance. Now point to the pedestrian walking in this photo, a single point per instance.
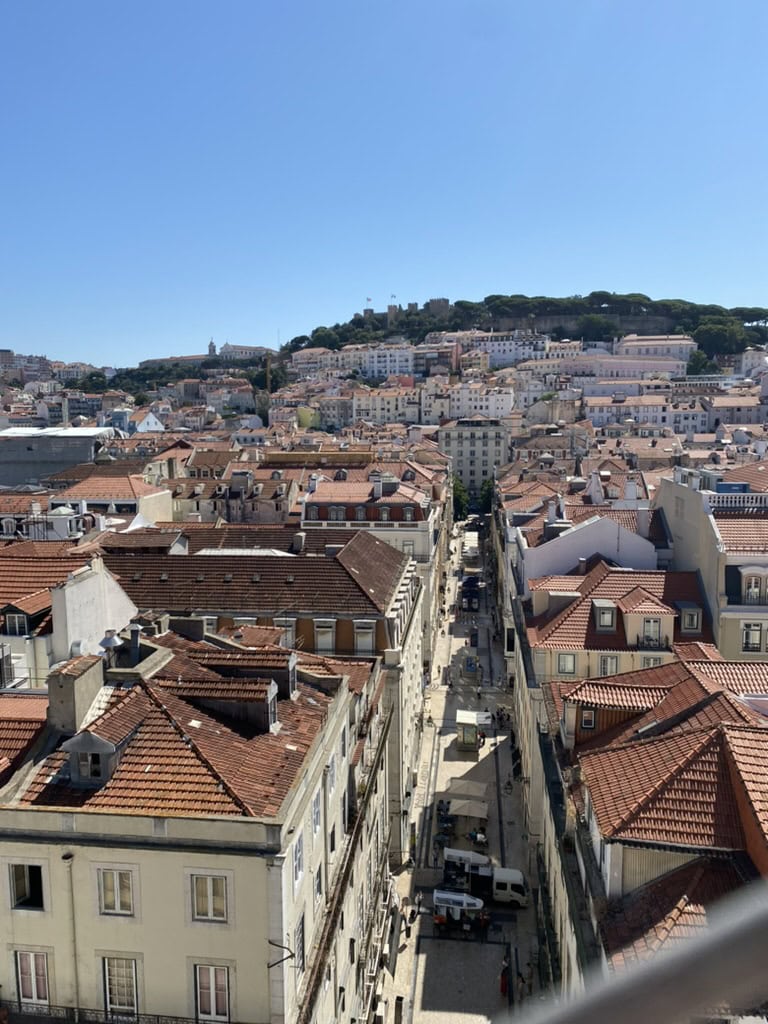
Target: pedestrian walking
pixel 435 857
pixel 479 693
pixel 520 988
pixel 504 976
pixel 418 901
pixel 529 977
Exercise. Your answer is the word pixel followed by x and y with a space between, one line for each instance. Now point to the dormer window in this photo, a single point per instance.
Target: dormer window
pixel 313 512
pixel 360 513
pixel 408 513
pixel 90 766
pixel 16 624
pixel 605 616
pixel 690 618
pixel 384 514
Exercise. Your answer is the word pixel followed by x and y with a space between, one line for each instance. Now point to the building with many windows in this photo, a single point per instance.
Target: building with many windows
pixel 202 846
pixel 477 445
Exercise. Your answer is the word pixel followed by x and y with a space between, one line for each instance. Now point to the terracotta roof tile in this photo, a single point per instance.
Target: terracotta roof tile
pixel 177 759
pixel 666 911
pixel 675 790
pixel 573 627
pixel 112 488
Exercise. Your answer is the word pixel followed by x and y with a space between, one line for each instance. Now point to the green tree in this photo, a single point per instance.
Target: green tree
pixel 591 327
pixel 460 499
pixel 721 336
pixel 487 494
pixel 699 363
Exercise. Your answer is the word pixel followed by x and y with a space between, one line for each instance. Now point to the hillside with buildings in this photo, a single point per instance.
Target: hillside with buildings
pixel 269 700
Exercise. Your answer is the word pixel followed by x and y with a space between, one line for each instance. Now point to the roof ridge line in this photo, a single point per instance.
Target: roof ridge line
pixel 154 698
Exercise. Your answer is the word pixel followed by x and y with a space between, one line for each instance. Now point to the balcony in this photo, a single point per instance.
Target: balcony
pixel 650 642
pixel 39 1013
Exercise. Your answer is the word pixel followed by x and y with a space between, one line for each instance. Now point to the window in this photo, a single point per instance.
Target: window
pixel 316 813
pixel 652 632
pixel 384 514
pixel 115 891
pixel 343 743
pixel 298 859
pixel 587 718
pixel 325 636
pixel 751 636
pixel 288 627
pixel 272 711
pixel 318 883
pixel 120 985
pixel 360 513
pixel 606 617
pixel 89 766
pixel 298 945
pixel 408 513
pixel 751 590
pixel 32 977
pixel 26 887
pixel 408 548
pixel 332 840
pixel 566 664
pixel 313 513
pixel 343 808
pixel 212 992
pixel 15 624
pixel 209 898
pixel 651 661
pixel 609 664
pixel 364 637
pixel 691 621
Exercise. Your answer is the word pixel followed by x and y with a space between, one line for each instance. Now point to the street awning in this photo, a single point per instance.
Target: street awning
pixel 467 788
pixel 469 809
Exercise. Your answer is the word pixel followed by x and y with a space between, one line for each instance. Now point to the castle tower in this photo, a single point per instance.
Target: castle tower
pixel 211 348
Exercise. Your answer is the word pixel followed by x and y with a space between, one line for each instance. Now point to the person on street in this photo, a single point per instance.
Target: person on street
pixel 520 988
pixel 504 976
pixel 529 977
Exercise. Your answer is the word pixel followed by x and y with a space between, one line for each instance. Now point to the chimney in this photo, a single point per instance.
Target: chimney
pixel 71 691
pixel 644 522
pixel 582 567
pixel 551 512
pixel 312 483
pixel 299 539
pixel 135 629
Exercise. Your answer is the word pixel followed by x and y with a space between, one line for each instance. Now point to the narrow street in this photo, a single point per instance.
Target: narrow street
pixel 441 979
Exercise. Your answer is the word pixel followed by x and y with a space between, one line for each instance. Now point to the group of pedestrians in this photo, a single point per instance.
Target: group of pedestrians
pixel 523 982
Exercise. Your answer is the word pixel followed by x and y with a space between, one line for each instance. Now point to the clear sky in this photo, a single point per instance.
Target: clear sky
pixel 249 169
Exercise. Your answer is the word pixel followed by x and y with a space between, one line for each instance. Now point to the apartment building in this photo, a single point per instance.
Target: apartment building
pixel 720 529
pixel 386 405
pixel 475 397
pixel 360 598
pixel 632 868
pixel 201 847
pixel 477 445
pixel 669 346
pixel 401 510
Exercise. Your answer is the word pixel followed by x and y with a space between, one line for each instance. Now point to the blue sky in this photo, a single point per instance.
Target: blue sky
pixel 178 170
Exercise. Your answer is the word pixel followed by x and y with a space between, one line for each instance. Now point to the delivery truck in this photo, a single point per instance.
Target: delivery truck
pixel 471 872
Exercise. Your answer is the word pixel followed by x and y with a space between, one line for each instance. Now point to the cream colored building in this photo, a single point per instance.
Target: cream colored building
pixel 720 529
pixel 164 861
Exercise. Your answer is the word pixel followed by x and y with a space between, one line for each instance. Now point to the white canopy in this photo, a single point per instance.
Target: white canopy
pixel 469 808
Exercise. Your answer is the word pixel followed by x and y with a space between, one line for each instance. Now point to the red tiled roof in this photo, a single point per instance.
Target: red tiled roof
pixel 573 627
pixel 666 911
pixel 179 760
pixel 113 488
pixel 22 578
pixel 674 790
pixel 743 532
